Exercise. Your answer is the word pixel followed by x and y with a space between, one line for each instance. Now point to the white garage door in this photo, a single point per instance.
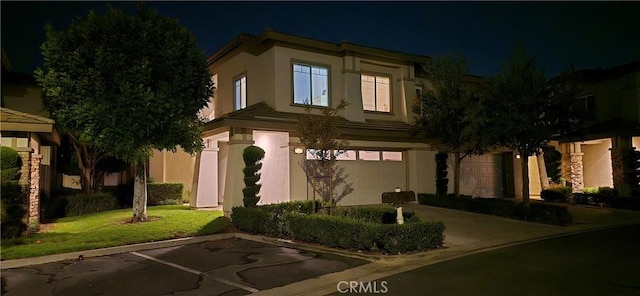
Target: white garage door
pixel 481 176
pixel 372 173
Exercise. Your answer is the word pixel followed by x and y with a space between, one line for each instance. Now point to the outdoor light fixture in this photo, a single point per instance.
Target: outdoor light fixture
pixel 298 150
pixel 398 189
pixel 517 156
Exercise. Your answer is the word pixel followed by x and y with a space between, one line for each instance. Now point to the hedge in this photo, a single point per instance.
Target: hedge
pixel 536 212
pixel 164 194
pixel 12 210
pixel 350 233
pixel 351 228
pixel 377 214
pixel 556 194
pixel 9 174
pixel 82 204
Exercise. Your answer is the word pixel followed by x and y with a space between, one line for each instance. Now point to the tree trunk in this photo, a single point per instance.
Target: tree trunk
pixel 525 179
pixel 140 193
pixel 456 175
pixel 542 171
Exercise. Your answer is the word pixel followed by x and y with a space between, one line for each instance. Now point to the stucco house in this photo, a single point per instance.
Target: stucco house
pixel 25 128
pixel 263 84
pixel 599 153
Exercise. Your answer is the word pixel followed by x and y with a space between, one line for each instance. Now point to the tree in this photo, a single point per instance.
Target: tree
pixel 450 112
pixel 121 85
pixel 252 157
pixel 527 110
pixel 319 134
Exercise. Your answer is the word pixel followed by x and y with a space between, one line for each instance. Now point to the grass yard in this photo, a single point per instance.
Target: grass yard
pixel 108 229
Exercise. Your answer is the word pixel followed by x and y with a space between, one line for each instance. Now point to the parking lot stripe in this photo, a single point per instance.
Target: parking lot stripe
pixel 252 290
pixel 187 269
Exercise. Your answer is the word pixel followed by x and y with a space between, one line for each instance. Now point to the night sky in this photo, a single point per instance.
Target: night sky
pixel 583 34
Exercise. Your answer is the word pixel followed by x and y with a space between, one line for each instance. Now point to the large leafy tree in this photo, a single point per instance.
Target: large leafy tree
pixel 450 111
pixel 526 110
pixel 121 85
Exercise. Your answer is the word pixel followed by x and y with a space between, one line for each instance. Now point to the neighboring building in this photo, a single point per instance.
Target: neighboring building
pixel 27 129
pixel 264 83
pixel 598 154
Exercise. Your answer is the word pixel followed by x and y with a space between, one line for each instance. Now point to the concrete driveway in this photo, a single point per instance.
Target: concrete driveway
pixel 223 267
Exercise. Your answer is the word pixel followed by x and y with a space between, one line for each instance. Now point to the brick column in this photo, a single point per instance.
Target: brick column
pixel 577 177
pixel 622 164
pixel 565 167
pixel 25 173
pixel 34 189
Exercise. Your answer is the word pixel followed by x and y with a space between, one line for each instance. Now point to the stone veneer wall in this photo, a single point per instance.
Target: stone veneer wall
pixel 34 189
pixel 577 176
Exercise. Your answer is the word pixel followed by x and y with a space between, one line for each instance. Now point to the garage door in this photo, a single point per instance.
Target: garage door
pixel 481 176
pixel 372 172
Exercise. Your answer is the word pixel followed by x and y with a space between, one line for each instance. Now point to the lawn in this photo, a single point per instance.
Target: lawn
pixel 108 229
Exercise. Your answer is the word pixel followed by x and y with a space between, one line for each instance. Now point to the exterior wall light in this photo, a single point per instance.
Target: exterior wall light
pixel 298 150
pixel 517 156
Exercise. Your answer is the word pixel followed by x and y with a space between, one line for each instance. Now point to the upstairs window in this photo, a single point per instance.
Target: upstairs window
pixel 310 85
pixel 376 93
pixel 588 104
pixel 240 92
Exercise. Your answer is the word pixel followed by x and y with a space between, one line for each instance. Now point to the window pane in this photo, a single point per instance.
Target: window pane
pixel 369 155
pixel 320 88
pixel 392 155
pixel 301 87
pixel 382 94
pixel 240 93
pixel 368 93
pixel 346 155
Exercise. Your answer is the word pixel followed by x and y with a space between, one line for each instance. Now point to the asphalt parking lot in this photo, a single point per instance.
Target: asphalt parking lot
pixel 223 267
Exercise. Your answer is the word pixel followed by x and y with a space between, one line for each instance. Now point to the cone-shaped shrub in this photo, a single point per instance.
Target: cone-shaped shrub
pixel 252 156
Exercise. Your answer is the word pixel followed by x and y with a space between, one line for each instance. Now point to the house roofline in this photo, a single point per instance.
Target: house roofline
pixel 272 38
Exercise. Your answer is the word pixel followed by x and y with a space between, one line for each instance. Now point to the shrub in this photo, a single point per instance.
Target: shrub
pixel 82 204
pixel 561 193
pixel 123 192
pixel 252 220
pixel 164 194
pixel 607 191
pixel 590 190
pixel 252 157
pixel 541 213
pixel 350 233
pixel 12 210
pixel 376 214
pixel 9 174
pixel 9 158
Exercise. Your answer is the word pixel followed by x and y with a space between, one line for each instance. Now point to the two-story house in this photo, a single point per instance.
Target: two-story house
pixel 598 154
pixel 263 84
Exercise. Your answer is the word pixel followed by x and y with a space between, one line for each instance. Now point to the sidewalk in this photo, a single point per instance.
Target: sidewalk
pixel 465 234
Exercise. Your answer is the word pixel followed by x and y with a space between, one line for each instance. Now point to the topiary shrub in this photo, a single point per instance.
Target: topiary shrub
pixel 376 214
pixel 252 220
pixel 82 204
pixel 9 158
pixel 442 182
pixel 252 157
pixel 12 210
pixel 164 194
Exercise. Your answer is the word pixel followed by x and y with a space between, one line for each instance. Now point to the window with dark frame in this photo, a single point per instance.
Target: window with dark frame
pixel 310 85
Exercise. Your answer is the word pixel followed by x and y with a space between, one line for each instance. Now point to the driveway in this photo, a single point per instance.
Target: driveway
pixel 223 267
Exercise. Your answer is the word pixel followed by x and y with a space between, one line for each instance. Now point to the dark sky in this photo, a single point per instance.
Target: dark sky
pixel 585 34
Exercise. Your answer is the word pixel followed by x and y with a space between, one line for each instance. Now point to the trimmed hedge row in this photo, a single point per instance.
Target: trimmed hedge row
pixel 351 233
pixel 164 194
pixel 592 196
pixel 82 204
pixel 536 212
pixel 376 214
pixel 351 228
pixel 556 194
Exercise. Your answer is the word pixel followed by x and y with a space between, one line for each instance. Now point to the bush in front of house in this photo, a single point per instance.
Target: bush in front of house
pixel 556 194
pixel 252 157
pixel 82 204
pixel 270 219
pixel 376 214
pixel 164 194
pixel 350 233
pixel 537 212
pixel 9 158
pixel 12 210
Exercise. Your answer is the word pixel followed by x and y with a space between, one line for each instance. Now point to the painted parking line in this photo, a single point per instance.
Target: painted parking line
pixel 187 269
